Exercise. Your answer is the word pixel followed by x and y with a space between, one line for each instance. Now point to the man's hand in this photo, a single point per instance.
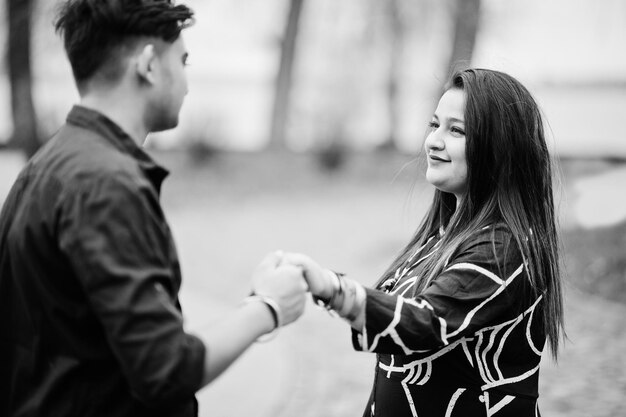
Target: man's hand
pixel 282 282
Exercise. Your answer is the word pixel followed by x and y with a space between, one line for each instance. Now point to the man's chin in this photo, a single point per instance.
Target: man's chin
pixel 164 125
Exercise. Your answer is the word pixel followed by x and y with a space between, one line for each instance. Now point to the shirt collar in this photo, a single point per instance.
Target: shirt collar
pixel 97 122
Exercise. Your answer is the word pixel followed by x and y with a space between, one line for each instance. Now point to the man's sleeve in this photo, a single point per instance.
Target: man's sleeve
pixel 120 248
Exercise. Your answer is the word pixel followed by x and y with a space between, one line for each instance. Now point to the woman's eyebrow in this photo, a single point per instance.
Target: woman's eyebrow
pixel 455 120
pixel 449 119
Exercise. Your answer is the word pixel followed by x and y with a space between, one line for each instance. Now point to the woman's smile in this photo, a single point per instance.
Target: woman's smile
pixel 436 158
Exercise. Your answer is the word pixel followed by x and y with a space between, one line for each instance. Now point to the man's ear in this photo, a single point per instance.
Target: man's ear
pixel 146 63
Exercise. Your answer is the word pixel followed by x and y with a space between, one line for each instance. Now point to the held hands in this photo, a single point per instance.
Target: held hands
pixel 282 283
pixel 321 283
pixel 342 295
pixel 282 279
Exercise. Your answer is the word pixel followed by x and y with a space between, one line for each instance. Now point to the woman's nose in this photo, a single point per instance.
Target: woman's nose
pixel 433 141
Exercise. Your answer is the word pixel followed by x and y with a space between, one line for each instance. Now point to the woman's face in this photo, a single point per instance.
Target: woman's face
pixel 445 145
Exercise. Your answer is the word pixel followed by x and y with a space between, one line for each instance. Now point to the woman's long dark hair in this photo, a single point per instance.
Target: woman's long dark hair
pixel 509 181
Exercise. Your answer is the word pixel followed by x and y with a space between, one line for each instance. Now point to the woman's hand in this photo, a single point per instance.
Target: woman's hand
pixel 346 298
pixel 321 283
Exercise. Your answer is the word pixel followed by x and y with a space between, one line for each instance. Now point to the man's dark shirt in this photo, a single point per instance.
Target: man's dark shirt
pixel 89 279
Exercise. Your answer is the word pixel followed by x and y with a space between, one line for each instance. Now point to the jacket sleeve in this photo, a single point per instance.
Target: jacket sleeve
pixel 480 287
pixel 120 248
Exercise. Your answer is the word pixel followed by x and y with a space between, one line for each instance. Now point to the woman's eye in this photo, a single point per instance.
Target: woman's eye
pixel 433 125
pixel 457 130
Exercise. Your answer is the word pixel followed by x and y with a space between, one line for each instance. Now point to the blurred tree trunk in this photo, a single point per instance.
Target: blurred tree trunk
pixel 396 45
pixel 25 131
pixel 280 112
pixel 466 21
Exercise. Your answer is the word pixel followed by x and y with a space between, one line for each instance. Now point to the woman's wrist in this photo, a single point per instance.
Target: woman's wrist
pixel 334 284
pixel 347 298
pixel 330 287
pixel 351 301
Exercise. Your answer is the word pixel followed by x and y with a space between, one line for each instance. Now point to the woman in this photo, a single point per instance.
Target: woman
pixel 460 319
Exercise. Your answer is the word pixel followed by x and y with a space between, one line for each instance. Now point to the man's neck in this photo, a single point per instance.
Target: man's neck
pixel 123 109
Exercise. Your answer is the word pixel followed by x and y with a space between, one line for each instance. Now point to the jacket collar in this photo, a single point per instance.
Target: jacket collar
pixel 97 122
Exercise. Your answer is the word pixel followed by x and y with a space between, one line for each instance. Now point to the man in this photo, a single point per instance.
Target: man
pixel 89 276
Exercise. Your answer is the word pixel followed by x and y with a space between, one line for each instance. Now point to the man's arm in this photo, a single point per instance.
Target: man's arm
pixel 118 247
pixel 229 338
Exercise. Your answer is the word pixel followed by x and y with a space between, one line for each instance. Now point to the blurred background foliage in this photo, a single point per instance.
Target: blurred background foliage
pixel 331 76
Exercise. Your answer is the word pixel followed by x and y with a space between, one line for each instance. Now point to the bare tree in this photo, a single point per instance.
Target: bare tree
pixel 396 49
pixel 284 79
pixel 25 131
pixel 402 21
pixel 466 14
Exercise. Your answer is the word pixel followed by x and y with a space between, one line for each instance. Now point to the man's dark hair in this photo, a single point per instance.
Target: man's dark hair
pixel 97 33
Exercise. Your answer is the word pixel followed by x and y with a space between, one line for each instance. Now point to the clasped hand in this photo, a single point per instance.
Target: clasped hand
pixel 286 277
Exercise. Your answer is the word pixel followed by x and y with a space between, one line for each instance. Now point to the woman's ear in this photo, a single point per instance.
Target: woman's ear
pixel 146 63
